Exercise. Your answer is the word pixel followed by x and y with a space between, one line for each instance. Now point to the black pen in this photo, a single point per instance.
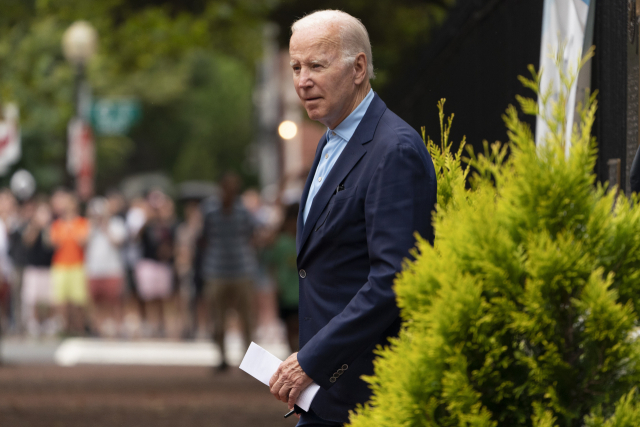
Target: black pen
pixel 288 414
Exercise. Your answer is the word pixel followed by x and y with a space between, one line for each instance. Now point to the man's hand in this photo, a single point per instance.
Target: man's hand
pixel 289 381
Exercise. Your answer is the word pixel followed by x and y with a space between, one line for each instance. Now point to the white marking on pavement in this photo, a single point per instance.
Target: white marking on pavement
pixel 75 351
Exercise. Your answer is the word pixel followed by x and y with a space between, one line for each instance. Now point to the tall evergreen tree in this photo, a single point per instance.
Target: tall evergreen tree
pixel 525 310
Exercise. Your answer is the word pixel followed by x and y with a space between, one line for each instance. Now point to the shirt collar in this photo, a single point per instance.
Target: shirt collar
pixel 348 126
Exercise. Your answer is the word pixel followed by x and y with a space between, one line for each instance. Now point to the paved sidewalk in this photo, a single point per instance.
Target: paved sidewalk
pixel 132 396
pixel 82 382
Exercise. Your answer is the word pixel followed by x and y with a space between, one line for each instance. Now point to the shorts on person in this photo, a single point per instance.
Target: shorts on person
pixel 106 289
pixel 36 286
pixel 154 279
pixel 69 284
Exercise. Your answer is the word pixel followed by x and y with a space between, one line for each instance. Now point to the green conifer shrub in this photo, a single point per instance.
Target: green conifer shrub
pixel 524 311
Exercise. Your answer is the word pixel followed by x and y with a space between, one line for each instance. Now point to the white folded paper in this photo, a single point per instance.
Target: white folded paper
pixel 261 365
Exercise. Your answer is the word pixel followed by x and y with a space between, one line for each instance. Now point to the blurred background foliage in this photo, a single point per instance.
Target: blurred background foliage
pixel 190 63
pixel 398 29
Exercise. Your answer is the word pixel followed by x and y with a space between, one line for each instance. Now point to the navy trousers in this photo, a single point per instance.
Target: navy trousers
pixel 310 419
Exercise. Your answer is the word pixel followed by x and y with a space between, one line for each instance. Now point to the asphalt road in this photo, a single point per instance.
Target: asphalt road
pixel 128 396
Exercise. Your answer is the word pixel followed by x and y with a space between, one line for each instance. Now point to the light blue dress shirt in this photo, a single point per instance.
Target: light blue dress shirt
pixel 337 139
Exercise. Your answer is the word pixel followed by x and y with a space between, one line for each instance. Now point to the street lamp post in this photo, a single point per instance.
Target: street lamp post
pixel 79 44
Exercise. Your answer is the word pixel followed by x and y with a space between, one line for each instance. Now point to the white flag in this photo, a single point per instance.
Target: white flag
pixel 563 21
pixel 10 151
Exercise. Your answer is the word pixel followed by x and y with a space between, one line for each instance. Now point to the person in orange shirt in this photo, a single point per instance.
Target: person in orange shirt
pixel 68 236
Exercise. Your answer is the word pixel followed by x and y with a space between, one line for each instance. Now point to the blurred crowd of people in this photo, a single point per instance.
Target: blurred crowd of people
pixel 137 268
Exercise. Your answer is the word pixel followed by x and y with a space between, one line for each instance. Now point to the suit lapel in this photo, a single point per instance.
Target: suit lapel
pixel 307 186
pixel 349 157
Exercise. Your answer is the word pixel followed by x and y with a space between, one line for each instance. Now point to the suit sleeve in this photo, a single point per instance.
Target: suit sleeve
pixel 399 201
pixel 635 173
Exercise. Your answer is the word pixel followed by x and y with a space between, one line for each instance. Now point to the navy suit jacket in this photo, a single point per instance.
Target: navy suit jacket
pixel 351 248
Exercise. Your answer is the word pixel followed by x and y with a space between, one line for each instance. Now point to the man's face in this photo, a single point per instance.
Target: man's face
pixel 324 83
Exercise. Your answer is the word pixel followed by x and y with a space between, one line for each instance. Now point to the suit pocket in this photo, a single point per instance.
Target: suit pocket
pixel 345 194
pixel 323 218
pixel 335 205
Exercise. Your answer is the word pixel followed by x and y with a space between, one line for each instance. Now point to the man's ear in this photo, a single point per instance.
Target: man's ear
pixel 360 68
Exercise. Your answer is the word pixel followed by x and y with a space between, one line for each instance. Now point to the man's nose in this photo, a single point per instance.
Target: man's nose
pixel 304 79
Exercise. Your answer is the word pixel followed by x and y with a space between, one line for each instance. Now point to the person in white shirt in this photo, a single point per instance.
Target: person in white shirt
pixel 104 265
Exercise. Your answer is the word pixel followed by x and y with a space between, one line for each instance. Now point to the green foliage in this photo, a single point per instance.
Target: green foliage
pixel 190 63
pixel 399 30
pixel 193 73
pixel 34 75
pixel 525 310
pixel 210 123
pixel 450 174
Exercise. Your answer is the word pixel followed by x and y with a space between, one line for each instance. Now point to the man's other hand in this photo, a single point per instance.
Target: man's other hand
pixel 289 381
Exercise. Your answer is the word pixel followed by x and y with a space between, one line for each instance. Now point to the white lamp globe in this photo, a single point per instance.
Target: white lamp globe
pixel 79 42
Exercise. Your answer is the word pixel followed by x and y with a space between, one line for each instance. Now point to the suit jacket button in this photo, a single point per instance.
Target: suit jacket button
pixel 340 371
pixel 332 379
pixel 344 367
pixel 302 273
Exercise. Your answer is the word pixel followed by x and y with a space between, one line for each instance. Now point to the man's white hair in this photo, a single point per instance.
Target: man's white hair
pixel 354 37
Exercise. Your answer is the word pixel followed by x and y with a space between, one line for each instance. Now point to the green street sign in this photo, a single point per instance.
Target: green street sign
pixel 114 116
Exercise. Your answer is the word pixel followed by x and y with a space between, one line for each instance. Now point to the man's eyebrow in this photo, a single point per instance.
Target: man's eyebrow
pixel 313 61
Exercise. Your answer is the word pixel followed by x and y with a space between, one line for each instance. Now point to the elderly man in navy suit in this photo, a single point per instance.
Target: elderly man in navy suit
pixel 371 188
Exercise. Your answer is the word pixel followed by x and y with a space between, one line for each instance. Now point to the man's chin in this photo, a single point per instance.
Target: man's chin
pixel 314 114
